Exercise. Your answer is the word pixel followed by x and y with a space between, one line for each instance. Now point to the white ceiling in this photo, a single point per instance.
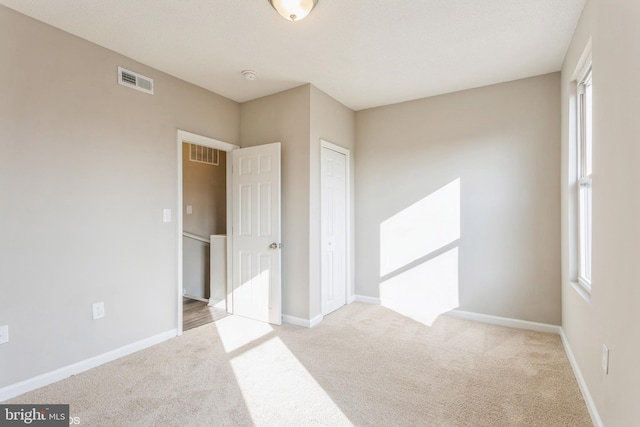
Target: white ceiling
pixel 364 53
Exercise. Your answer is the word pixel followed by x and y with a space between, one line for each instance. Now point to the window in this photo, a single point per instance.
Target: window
pixel 584 179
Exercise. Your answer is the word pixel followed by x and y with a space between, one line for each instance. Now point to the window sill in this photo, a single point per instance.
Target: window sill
pixel 582 291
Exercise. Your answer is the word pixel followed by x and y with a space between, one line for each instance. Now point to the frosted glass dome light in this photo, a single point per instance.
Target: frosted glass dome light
pixel 293 10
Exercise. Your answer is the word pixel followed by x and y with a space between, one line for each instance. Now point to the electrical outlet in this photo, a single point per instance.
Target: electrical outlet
pixel 605 359
pixel 98 310
pixel 4 334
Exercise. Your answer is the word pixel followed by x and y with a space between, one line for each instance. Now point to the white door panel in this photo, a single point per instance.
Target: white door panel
pixel 333 230
pixel 256 233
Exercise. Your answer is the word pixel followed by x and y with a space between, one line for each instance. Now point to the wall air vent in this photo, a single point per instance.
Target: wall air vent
pixel 135 81
pixel 207 155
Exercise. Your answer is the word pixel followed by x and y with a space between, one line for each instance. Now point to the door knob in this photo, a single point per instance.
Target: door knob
pixel 274 245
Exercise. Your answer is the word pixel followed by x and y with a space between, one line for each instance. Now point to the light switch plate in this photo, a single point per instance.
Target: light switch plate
pixel 4 334
pixel 605 359
pixel 189 209
pixel 166 215
pixel 98 310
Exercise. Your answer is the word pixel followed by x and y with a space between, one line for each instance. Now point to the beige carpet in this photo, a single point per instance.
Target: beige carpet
pixel 363 365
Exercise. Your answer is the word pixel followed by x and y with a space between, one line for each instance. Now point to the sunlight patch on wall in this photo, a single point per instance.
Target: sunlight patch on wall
pixel 420 229
pixel 426 291
pixel 419 256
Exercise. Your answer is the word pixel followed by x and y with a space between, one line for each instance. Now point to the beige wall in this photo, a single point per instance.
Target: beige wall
pixel 87 165
pixel 91 166
pixel 284 117
pixel 502 143
pixel 86 168
pixel 204 187
pixel 335 123
pixel 299 118
pixel 610 316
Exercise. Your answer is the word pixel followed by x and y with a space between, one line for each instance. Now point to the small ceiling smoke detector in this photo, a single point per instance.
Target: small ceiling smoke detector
pixel 249 74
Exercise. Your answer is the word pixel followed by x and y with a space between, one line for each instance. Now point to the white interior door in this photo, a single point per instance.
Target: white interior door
pixel 333 230
pixel 256 233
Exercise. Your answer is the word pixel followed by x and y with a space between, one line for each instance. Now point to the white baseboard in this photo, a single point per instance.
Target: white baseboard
pixel 195 298
pixel 292 320
pixel 313 322
pixel 350 299
pixel 42 380
pixel 505 321
pixel 591 406
pixel 484 318
pixel 367 300
pixel 540 327
pixel 218 303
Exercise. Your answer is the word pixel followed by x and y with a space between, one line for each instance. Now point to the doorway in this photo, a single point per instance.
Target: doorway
pixel 334 226
pixel 198 243
pixel 204 210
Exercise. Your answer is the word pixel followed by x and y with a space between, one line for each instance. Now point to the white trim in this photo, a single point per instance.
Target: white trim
pixel 505 321
pixel 196 298
pixel 591 406
pixel 582 75
pixel 584 59
pixel 229 297
pixel 367 300
pixel 188 137
pixel 196 237
pixel 579 288
pixel 313 322
pixel 540 327
pixel 84 365
pixel 348 196
pixel 218 303
pixel 585 284
pixel 585 66
pixel 298 321
pixel 350 299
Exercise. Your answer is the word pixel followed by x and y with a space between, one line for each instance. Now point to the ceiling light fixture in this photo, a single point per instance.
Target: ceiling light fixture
pixel 293 10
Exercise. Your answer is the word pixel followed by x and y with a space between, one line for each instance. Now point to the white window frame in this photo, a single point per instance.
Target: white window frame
pixel 584 176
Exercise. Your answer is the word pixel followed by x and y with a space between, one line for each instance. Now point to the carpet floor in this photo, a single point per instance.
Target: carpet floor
pixel 363 365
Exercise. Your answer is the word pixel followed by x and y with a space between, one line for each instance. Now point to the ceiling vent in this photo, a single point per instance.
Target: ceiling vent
pixel 135 81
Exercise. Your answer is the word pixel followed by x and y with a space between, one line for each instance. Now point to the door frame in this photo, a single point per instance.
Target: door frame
pixel 349 297
pixel 188 137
